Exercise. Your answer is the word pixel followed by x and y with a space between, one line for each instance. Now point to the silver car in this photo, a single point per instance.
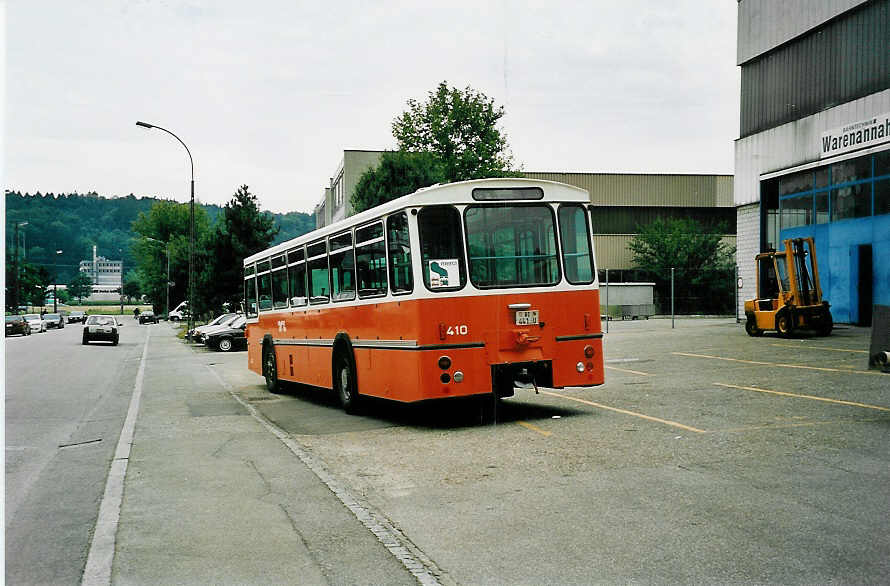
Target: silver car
pixel 37 323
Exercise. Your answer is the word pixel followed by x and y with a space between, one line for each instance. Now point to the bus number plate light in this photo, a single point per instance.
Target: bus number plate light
pixel 527 318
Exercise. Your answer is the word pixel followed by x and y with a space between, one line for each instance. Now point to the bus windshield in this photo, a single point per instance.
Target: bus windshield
pixel 511 245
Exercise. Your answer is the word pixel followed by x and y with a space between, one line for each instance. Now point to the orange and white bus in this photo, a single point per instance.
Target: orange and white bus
pixel 467 288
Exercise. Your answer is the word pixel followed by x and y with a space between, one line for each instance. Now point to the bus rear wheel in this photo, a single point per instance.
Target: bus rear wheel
pixel 270 369
pixel 345 381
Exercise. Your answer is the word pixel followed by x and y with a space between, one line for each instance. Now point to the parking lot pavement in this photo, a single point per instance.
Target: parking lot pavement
pixel 708 456
pixel 213 498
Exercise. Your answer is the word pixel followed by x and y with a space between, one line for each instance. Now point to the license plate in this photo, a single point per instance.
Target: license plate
pixel 527 318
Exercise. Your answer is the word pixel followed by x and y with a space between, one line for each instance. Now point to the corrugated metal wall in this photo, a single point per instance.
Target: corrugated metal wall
pixel 648 189
pixel 843 60
pixel 765 24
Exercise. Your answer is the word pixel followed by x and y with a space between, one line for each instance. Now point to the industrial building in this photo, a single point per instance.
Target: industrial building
pixel 813 156
pixel 622 202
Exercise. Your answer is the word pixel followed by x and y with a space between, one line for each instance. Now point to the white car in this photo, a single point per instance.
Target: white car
pixel 36 321
pixel 224 319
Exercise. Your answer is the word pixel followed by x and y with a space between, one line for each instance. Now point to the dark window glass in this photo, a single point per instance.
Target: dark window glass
pixel 441 248
pixel 295 255
pixel 821 207
pixel 795 183
pixel 370 261
pixel 342 268
pixel 279 288
pixel 821 175
pixel 400 273
pixel 500 194
pixel 264 286
pixel 882 197
pixel 278 261
pixel 577 258
pixel 317 269
pixel 296 274
pixel 315 249
pixel 249 270
pixel 512 245
pixel 882 163
pixel 250 297
pixel 796 211
pixel 853 201
pixel 851 170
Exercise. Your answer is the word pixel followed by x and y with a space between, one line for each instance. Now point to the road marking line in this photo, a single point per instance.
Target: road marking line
pixel 787 425
pixel 101 554
pixel 626 412
pixel 411 557
pixel 534 428
pixel 799 346
pixel 810 397
pixel 759 363
pixel 628 370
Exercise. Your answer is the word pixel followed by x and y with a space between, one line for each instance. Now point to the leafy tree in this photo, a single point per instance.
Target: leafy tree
pixel 702 263
pixel 460 128
pixel 131 289
pixel 80 286
pixel 167 224
pixel 242 230
pixel 399 173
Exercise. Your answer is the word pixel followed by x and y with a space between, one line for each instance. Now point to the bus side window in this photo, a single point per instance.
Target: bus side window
pixel 370 260
pixel 250 306
pixel 401 276
pixel 576 254
pixel 317 267
pixel 441 248
pixel 264 282
pixel 296 272
pixel 279 282
pixel 342 264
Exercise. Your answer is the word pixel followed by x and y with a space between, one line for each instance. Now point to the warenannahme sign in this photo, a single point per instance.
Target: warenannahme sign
pixel 857 135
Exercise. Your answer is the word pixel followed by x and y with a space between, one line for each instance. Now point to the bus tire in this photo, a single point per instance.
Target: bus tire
pixel 345 382
pixel 270 369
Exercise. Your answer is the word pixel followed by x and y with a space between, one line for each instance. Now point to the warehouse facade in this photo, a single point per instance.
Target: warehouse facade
pixel 813 156
pixel 622 202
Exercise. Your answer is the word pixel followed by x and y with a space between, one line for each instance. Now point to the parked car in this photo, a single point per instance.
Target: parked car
pixel 37 323
pixel 16 324
pixel 54 320
pixel 180 312
pixel 77 316
pixel 101 327
pixel 224 319
pixel 229 337
pixel 148 317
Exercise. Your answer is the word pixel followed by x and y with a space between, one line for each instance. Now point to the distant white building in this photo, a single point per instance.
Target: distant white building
pixel 106 276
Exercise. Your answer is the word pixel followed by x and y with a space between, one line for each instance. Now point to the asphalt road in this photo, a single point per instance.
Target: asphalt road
pixel 65 405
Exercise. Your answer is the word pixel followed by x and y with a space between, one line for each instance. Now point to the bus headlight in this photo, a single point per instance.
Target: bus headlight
pixel 444 362
pixel 580 367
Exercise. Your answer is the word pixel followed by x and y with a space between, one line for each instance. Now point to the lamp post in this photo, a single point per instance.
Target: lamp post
pixel 191 322
pixel 167 253
pixel 56 287
pixel 18 277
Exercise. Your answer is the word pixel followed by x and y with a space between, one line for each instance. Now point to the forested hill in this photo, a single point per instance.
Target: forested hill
pixel 74 222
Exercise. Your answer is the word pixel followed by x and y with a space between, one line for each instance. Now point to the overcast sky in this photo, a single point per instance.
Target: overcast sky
pixel 270 93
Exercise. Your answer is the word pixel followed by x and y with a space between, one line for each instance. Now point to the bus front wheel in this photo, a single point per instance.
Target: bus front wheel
pixel 270 369
pixel 345 381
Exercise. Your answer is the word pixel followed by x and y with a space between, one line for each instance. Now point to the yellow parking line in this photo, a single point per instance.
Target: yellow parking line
pixel 810 397
pixel 819 348
pixel 760 363
pixel 628 370
pixel 534 428
pixel 625 412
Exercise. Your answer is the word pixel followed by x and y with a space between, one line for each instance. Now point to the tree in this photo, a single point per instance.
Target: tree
pixel 242 230
pixel 702 263
pixel 460 128
pixel 399 173
pixel 167 224
pixel 131 289
pixel 80 286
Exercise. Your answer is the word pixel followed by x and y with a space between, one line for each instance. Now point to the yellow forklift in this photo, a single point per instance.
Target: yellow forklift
pixel 789 297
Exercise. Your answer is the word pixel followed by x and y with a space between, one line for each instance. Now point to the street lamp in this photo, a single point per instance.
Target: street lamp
pixel 166 252
pixel 56 287
pixel 18 277
pixel 191 322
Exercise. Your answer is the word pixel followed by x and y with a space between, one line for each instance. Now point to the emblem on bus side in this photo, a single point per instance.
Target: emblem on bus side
pixel 444 273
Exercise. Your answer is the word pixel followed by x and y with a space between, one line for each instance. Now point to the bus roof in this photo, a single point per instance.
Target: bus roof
pixel 442 193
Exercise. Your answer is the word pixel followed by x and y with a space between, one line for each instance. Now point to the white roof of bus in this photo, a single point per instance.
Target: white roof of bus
pixel 457 193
